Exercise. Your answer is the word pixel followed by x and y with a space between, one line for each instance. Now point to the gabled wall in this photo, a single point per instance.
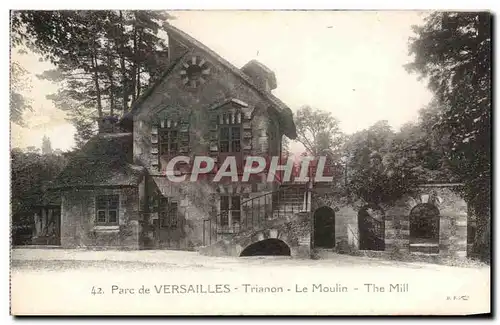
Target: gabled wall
pixel 197 110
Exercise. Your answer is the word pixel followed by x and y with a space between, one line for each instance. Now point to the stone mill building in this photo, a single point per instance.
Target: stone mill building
pixel 114 193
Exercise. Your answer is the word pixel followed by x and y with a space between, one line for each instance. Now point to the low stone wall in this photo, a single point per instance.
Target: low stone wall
pixel 295 233
pixel 452 223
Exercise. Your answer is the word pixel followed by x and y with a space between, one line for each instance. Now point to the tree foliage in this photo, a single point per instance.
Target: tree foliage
pixel 20 83
pixel 384 165
pixel 318 131
pixel 452 50
pixel 30 174
pixel 104 59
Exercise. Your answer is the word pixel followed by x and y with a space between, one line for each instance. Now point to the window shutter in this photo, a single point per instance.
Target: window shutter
pixel 246 139
pixel 183 137
pixel 213 129
pixel 153 155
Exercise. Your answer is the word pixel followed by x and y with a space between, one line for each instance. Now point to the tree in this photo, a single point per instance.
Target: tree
pixel 452 50
pixel 30 173
pixel 383 165
pixel 104 59
pixel 368 175
pixel 318 131
pixel 19 84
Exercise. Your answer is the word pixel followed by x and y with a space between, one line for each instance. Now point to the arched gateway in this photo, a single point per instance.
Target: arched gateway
pixel 324 228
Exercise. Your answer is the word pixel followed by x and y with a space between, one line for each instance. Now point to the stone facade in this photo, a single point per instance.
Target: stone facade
pixel 79 213
pixel 196 112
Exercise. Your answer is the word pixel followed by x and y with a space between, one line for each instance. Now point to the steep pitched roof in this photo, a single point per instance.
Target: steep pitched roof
pixel 103 161
pixel 283 110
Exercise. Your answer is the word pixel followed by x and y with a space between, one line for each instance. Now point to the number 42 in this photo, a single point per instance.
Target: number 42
pixel 97 291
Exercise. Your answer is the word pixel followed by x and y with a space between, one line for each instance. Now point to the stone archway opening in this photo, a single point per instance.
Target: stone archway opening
pixel 267 247
pixel 424 229
pixel 324 228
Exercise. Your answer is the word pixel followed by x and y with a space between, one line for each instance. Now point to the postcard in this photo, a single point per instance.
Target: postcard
pixel 250 162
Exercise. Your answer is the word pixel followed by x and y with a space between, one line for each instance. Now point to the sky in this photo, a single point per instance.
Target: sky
pixel 349 63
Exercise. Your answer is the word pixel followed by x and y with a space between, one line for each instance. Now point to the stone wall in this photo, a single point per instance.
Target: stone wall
pixel 345 215
pixel 452 211
pixel 78 215
pixel 452 223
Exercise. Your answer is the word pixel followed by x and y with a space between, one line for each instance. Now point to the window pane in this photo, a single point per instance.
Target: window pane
pixel 163 148
pixel 224 133
pixel 224 146
pixel 163 203
pixel 113 216
pixel 163 136
pixel 173 135
pixel 235 216
pixel 101 216
pixel 102 202
pixel 163 220
pixel 236 146
pixel 173 208
pixel 235 133
pixel 224 220
pixel 173 214
pixel 224 203
pixel 235 203
pixel 173 147
pixel 113 201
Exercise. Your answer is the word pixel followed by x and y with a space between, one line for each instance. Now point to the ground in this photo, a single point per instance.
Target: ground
pixel 58 281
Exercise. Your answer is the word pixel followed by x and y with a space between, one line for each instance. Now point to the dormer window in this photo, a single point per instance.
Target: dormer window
pixel 230 132
pixel 169 141
pixel 169 137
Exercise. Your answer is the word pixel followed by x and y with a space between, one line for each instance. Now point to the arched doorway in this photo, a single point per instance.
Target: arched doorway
pixel 371 224
pixel 424 229
pixel 267 247
pixel 324 228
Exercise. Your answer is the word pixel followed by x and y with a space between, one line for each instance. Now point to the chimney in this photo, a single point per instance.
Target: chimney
pixel 262 76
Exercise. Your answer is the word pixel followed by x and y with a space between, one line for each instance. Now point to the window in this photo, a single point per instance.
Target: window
pixel 107 209
pixel 230 139
pixel 168 143
pixel 230 132
pixel 168 213
pixel 230 210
